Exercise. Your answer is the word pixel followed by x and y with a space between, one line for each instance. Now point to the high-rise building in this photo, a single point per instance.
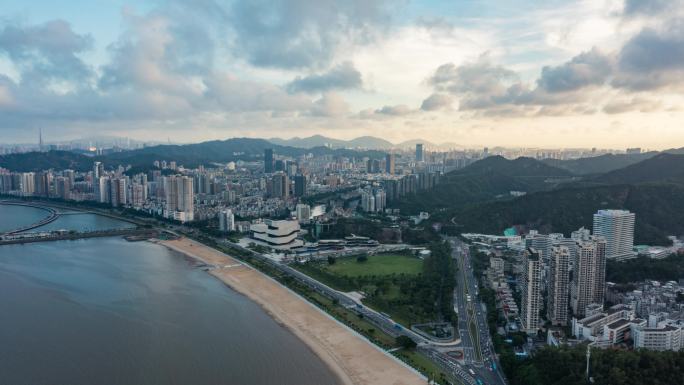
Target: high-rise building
pixel 281 186
pixel 63 187
pixel 389 163
pixel 138 195
pixel 27 183
pixel 300 185
pixel 98 170
pixel 373 166
pixel 559 285
pixel 419 152
pixel 226 220
pixel 303 213
pixel 118 192
pixel 531 291
pixel 617 227
pixel 103 186
pixel 268 160
pixel 367 200
pixel 589 275
pixel 41 183
pixel 380 200
pixel 539 242
pixel 179 198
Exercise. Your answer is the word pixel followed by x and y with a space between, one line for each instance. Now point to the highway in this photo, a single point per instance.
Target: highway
pixel 477 346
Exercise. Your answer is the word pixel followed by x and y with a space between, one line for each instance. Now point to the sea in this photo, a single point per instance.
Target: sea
pixel 108 311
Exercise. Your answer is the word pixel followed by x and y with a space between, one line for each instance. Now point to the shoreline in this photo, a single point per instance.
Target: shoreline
pixel 353 360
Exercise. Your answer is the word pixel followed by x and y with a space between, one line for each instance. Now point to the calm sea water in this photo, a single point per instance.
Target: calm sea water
pixel 106 311
pixel 13 217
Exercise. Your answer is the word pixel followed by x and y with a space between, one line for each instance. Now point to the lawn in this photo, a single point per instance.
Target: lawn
pixel 381 264
pixel 381 277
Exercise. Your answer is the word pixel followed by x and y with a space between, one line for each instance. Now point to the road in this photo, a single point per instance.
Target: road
pixel 477 345
pixel 433 351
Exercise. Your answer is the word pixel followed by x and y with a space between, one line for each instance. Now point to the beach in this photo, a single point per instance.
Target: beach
pixel 353 359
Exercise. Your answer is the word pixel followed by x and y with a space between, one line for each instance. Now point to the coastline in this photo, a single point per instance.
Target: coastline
pixel 354 360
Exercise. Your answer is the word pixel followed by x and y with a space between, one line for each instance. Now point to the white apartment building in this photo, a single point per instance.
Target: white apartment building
pixel 665 336
pixel 179 198
pixel 617 227
pixel 226 220
pixel 531 291
pixel 589 275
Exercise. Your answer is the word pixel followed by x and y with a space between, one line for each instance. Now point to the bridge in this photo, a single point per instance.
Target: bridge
pixel 49 219
pixel 130 234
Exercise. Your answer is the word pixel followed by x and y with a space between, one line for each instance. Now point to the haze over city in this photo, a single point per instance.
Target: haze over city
pixel 604 73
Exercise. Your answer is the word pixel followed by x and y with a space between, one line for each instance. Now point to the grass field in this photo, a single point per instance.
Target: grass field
pixel 382 264
pixel 378 278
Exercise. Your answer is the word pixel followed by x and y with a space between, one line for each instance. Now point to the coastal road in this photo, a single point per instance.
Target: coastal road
pixel 478 349
pixel 433 352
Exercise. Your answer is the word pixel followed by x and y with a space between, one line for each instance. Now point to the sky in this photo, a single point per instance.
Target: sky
pixel 526 73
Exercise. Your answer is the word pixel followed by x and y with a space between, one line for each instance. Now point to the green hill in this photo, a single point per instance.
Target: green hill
pixel 38 161
pixel 659 209
pixel 599 164
pixel 663 167
pixel 520 167
pixel 492 178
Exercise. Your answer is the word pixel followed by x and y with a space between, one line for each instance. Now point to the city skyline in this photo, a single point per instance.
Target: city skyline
pixel 581 74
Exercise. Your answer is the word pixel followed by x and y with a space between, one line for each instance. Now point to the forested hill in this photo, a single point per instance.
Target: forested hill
pixel 37 161
pixel 492 178
pixel 520 167
pixel 660 168
pixel 659 210
pixel 599 164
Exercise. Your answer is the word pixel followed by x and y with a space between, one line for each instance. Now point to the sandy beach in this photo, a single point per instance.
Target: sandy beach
pixel 353 359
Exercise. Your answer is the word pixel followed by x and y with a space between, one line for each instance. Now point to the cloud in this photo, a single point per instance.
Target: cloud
pixel 436 102
pixel 343 76
pixel 46 52
pixel 653 59
pixel 304 33
pixel 634 104
pixel 587 69
pixel 648 7
pixel 398 110
pixel 233 94
pixel 330 105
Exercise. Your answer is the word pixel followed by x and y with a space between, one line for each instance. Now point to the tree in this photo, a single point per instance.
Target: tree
pixel 405 342
pixel 331 260
pixel 362 258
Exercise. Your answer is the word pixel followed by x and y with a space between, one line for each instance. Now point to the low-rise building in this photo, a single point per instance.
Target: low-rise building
pixel 281 234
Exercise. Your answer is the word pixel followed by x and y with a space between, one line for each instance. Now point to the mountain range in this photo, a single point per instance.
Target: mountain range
pixel 363 142
pixel 189 155
pixel 477 199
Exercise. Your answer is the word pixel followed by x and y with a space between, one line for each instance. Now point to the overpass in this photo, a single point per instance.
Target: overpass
pixel 49 219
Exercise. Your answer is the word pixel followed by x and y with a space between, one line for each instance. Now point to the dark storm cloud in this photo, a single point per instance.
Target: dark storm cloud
pixel 343 76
